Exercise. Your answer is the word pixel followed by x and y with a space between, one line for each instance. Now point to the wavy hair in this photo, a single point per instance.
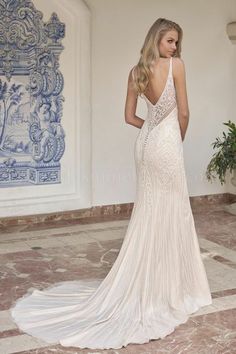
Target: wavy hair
pixel 150 53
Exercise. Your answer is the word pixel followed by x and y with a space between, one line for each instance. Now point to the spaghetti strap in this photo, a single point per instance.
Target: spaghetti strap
pixel 171 67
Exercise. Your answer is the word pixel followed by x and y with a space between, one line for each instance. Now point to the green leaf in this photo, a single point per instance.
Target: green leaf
pixel 225 157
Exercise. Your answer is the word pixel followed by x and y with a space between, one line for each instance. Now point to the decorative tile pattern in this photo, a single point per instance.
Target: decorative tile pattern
pixel 32 140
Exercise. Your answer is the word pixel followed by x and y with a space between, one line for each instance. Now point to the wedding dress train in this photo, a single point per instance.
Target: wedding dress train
pixel 158 278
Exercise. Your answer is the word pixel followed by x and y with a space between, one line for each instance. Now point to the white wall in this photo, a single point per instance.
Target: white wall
pixel 118 32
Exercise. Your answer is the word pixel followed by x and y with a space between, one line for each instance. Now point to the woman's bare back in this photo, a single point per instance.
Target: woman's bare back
pixel 157 80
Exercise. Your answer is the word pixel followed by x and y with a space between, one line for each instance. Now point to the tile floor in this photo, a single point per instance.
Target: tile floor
pixel 36 256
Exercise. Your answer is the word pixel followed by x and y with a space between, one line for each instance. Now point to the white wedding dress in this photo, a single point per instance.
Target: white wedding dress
pixel 158 277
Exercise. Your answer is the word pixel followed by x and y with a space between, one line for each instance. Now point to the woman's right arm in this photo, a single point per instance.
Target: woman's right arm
pixel 131 105
pixel 181 94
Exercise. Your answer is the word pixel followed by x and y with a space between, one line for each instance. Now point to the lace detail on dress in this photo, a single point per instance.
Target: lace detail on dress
pixel 163 107
pixel 165 104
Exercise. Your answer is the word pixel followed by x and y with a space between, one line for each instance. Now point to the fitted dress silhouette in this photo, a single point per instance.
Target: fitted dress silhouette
pixel 158 278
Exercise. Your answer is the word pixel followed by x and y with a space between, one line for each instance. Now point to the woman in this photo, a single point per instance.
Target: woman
pixel 158 278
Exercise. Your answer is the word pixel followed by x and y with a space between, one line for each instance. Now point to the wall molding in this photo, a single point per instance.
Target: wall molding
pixel 104 212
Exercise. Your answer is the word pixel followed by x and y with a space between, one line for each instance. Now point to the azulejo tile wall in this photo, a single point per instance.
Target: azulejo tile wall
pixel 44 106
pixel 32 139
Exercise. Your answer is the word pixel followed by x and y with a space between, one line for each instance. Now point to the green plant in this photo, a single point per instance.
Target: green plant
pixel 225 158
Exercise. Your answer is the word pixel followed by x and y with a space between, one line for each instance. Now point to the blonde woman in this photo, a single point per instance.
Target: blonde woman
pixel 158 278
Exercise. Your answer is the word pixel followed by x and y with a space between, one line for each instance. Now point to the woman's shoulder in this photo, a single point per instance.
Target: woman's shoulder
pixel 178 62
pixel 178 68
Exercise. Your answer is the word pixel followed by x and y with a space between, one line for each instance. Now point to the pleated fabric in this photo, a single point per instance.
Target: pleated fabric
pixel 158 278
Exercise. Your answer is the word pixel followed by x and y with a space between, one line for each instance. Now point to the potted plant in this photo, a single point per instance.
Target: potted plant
pixel 224 158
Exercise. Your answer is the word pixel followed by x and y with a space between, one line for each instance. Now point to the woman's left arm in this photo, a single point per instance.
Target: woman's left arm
pixel 131 105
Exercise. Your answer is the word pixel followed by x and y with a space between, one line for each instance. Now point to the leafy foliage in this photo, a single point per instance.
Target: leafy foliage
pixel 225 158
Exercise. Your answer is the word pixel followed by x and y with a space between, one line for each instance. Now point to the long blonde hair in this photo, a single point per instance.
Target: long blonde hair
pixel 150 53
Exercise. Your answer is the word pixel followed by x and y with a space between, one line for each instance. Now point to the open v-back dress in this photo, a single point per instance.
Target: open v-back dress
pixel 158 278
